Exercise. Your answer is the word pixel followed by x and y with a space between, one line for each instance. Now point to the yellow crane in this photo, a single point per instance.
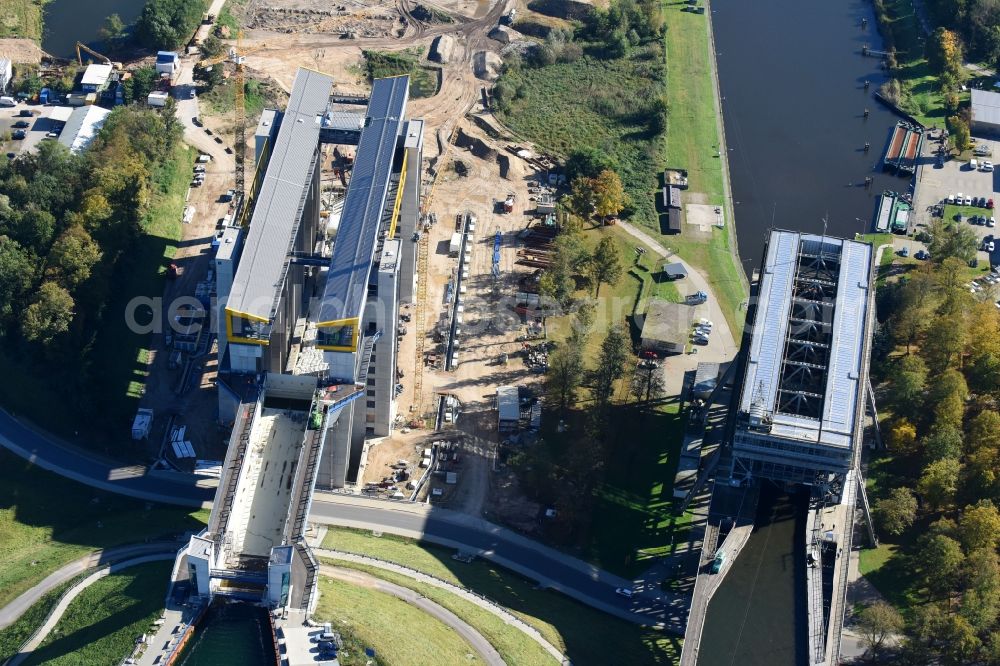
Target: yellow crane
pixel 237 54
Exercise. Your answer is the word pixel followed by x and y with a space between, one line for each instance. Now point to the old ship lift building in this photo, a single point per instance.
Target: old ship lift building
pixel 800 414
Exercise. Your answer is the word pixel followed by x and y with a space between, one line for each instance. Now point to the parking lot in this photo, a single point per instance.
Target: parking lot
pixel 936 181
pixel 39 124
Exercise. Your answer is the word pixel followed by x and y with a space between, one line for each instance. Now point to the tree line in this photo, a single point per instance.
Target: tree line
pixel 65 221
pixel 938 357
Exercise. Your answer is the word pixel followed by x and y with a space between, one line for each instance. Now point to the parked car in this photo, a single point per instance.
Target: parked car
pixel 905 252
pixel 990 246
pixel 991 222
pixel 986 166
pixel 700 340
pixel 967 201
pixel 199 168
pixel 922 255
pixel 25 113
pixel 989 203
pixel 22 124
pixel 950 199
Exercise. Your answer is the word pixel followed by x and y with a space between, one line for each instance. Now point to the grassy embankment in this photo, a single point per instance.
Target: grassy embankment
pixel 100 626
pixel 47 521
pixel 13 636
pixel 21 18
pixel 580 632
pixel 119 352
pixel 581 104
pixel 893 567
pixel 398 632
pixel 122 353
pixel 692 142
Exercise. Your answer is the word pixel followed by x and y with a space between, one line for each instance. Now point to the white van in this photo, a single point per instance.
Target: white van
pixel 7 101
pixel 203 158
pixel 973 164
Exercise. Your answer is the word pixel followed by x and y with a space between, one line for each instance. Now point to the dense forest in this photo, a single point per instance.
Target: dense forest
pixel 65 222
pixel 938 486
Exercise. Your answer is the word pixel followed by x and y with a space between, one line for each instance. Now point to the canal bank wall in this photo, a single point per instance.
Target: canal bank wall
pixel 728 207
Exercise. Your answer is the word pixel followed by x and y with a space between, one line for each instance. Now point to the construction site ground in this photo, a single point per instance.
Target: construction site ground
pixel 188 392
pixel 312 35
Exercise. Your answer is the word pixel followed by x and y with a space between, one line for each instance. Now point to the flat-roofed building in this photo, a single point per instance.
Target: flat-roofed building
pixel 268 292
pixel 666 327
pixel 82 127
pixel 95 78
pixel 985 112
pixel 799 415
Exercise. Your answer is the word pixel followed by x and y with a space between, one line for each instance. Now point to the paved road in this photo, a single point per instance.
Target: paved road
pixel 12 611
pixel 721 341
pixel 57 613
pixel 136 481
pixel 462 628
pixel 549 567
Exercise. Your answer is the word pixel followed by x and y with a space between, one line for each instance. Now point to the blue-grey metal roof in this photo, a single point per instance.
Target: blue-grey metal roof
pixel 352 120
pixel 276 214
pixel 354 250
pixel 845 371
pixel 985 107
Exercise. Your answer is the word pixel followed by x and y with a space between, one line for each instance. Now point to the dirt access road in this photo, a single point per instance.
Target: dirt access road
pixel 281 54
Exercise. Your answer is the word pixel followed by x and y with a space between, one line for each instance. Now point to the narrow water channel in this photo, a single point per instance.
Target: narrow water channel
pixel 69 21
pixel 792 79
pixel 231 635
pixel 758 615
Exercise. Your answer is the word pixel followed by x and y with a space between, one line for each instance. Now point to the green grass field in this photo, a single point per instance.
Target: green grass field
pixel 513 644
pixel 47 521
pixel 617 302
pixel 633 519
pixel 580 632
pixel 398 632
pixel 21 18
pixel 13 636
pixel 692 142
pixel 590 103
pixel 100 626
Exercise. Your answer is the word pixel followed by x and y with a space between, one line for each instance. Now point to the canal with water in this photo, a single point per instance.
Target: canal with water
pixel 231 635
pixel 69 21
pixel 792 78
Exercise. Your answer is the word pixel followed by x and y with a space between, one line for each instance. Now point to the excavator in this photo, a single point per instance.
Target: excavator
pixel 80 46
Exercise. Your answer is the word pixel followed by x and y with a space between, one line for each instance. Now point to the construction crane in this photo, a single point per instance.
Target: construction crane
pixel 237 55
